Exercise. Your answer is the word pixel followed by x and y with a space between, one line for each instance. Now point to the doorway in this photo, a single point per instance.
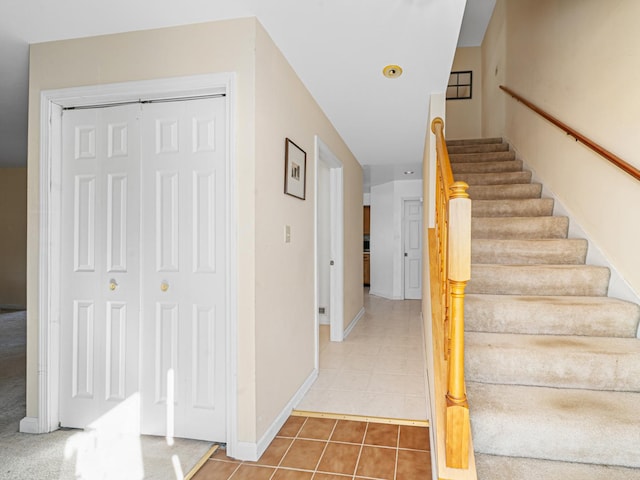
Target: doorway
pixel 178 245
pixel 329 242
pixel 412 244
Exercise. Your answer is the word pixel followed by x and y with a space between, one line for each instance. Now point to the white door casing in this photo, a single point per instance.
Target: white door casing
pixel 52 102
pixel 412 221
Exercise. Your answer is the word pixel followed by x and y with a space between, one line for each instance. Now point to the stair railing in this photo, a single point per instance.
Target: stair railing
pixel 606 154
pixel 451 267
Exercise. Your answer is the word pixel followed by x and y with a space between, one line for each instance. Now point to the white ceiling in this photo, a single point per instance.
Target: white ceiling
pixel 337 47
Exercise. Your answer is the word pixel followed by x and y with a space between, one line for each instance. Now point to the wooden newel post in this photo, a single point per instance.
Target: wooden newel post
pixel 459 272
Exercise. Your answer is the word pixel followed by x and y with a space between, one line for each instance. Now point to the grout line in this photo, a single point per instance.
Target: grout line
pixel 395 467
pixel 355 470
pixel 326 445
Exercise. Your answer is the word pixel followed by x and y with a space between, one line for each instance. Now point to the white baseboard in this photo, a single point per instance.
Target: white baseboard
pixel 253 451
pixel 353 322
pixel 29 425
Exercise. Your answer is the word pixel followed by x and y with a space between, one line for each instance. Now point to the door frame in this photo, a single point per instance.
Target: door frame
pixel 336 276
pixel 51 104
pixel 404 200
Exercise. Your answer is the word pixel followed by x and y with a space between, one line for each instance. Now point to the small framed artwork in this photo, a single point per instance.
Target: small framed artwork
pixel 295 170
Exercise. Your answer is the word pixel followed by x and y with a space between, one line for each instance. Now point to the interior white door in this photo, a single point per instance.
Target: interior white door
pixel 412 249
pixel 99 304
pixel 183 269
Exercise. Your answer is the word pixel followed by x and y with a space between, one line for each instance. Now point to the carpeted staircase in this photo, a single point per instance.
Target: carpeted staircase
pixel 552 362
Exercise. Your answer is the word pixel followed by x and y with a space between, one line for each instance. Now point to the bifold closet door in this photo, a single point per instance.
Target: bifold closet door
pixel 183 155
pixel 99 284
pixel 143 268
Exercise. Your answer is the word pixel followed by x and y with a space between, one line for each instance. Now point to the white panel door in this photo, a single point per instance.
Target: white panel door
pixel 183 259
pixel 99 304
pixel 412 249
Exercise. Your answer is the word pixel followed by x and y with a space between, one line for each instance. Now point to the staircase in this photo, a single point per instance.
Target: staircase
pixel 552 362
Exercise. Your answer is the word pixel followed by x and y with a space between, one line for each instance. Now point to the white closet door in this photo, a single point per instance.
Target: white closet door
pixel 183 155
pixel 99 317
pixel 412 249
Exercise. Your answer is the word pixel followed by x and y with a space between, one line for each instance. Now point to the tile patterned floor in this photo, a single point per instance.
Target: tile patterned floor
pixel 310 448
pixel 378 370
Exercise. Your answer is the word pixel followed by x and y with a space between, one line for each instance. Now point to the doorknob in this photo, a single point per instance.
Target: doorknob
pixel 164 286
pixel 331 262
pixel 406 254
pixel 113 284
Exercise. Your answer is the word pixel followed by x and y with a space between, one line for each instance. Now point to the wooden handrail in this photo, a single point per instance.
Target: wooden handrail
pixel 611 157
pixel 451 264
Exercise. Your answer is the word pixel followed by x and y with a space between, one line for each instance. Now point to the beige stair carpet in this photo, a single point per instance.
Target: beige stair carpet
pixel 552 362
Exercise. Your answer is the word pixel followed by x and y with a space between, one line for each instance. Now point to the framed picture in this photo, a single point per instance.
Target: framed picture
pixel 295 170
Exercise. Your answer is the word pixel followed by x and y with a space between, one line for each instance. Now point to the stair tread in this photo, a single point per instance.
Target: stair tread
pixel 529 251
pixel 520 227
pixel 552 314
pixel 557 424
pixel 480 157
pixel 478 148
pixel 588 280
pixel 499 178
pixel 505 191
pixel 560 361
pixel 487 167
pixel 512 207
pixel 495 467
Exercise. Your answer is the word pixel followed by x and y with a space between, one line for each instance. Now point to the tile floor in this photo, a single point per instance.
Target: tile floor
pixel 310 448
pixel 378 370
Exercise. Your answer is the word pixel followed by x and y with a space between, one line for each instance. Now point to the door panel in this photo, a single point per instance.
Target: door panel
pixel 183 167
pixel 99 304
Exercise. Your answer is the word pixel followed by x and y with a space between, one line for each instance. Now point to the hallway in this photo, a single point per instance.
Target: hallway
pixel 378 370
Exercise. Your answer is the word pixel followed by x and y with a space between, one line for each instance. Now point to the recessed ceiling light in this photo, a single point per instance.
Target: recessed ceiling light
pixel 392 71
pixel 409 172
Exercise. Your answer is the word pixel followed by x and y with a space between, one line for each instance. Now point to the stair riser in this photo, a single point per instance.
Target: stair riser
pixel 538 280
pixel 486 167
pixel 488 147
pixel 550 361
pixel 495 192
pixel 482 157
pixel 531 207
pixel 473 141
pixel 519 228
pixel 602 317
pixel 529 252
pixel 521 177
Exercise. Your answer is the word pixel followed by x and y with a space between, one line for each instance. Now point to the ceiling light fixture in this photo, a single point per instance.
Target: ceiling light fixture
pixel 392 71
pixel 409 172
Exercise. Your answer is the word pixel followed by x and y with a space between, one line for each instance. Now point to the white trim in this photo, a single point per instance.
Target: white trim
pixel 248 451
pixel 388 296
pixel 29 425
pixel 50 156
pixel 354 322
pixel 336 193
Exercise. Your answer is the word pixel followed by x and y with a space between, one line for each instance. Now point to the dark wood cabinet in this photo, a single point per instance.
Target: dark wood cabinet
pixel 367 220
pixel 367 274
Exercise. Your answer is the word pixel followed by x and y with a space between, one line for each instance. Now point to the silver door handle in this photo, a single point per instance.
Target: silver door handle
pixel 331 262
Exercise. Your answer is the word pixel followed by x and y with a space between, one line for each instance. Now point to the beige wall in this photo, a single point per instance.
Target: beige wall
pixel 13 236
pixel 494 71
pixel 285 272
pixel 577 60
pixel 275 281
pixel 464 117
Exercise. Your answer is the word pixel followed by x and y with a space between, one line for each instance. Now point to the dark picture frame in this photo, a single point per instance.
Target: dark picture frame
pixel 295 170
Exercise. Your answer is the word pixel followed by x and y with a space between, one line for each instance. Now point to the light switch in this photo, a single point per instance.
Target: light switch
pixel 287 234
